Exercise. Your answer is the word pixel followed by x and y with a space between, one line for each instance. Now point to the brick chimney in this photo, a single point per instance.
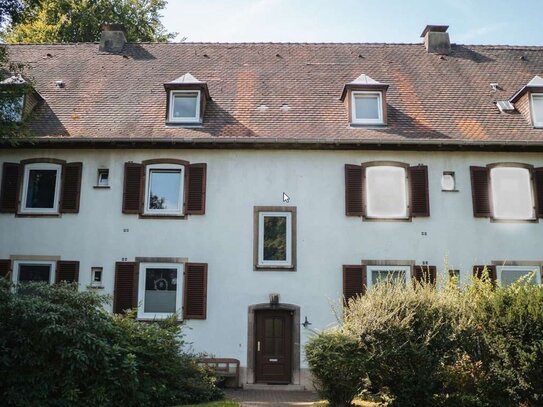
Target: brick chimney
pixel 436 39
pixel 113 38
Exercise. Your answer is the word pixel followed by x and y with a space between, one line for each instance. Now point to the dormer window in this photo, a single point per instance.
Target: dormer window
pixel 17 99
pixel 537 109
pixel 187 100
pixel 366 100
pixel 367 107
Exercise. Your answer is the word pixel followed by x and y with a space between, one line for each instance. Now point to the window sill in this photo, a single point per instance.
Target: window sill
pixel 150 320
pixel 450 190
pixel 101 187
pixel 37 215
pixel 366 219
pixel 158 216
pixel 274 268
pixel 494 220
pixel 184 124
pixel 95 287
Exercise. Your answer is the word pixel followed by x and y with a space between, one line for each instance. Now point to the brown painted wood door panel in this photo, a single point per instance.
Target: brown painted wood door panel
pixel 273 347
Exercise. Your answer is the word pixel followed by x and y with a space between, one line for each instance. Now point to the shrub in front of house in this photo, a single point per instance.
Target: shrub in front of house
pixel 474 346
pixel 59 347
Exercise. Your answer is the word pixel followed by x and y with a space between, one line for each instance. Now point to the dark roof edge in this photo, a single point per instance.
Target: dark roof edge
pixel 275 143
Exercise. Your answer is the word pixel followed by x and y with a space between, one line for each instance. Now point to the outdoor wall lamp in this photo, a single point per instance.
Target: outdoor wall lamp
pixel 306 323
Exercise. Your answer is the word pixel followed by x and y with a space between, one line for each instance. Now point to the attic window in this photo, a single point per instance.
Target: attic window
pixel 367 108
pixel 184 106
pixel 537 109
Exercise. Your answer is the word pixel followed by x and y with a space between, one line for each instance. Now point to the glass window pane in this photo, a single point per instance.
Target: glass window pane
pixel 512 193
pixel 11 108
pixel 34 272
pixel 184 105
pixel 509 276
pixel 386 195
pixel 366 106
pixel 275 238
pixel 164 188
pixel 41 189
pixel 537 106
pixel 160 290
pixel 380 276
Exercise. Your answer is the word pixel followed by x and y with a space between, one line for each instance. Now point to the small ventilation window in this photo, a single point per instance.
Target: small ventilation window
pixel 448 181
pixel 103 178
pixel 505 106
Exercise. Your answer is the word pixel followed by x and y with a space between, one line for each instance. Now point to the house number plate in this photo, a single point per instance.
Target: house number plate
pixel 273 360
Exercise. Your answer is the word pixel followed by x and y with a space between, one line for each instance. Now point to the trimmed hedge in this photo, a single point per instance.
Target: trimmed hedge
pixel 476 346
pixel 59 347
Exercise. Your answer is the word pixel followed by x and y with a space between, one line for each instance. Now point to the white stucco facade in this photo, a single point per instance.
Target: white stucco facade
pixel 239 180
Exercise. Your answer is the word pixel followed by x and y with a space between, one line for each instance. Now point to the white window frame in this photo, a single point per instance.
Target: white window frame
pixel 172 167
pixel 407 191
pixel 537 121
pixel 528 269
pixel 18 263
pixel 493 213
pixel 178 292
pixel 404 267
pixel 196 118
pixel 280 263
pixel 41 166
pixel 356 94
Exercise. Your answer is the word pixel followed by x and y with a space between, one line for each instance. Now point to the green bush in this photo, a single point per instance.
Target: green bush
pixel 337 365
pixel 479 345
pixel 59 347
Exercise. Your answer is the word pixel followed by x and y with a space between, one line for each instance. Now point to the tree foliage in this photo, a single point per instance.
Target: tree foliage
pixel 53 21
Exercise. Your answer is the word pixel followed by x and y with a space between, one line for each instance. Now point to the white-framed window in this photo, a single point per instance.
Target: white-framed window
pixel 383 274
pixel 103 178
pixel 25 271
pixel 275 239
pixel 184 106
pixel 507 275
pixel 367 107
pixel 448 181
pixel 386 192
pixel 11 108
pixel 512 193
pixel 160 290
pixel 537 109
pixel 96 276
pixel 41 188
pixel 164 189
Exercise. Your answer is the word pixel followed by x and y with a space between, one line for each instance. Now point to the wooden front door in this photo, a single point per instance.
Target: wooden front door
pixel 273 346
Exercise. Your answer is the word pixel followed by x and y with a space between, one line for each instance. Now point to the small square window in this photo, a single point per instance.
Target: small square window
pixel 454 275
pixel 164 189
pixel 507 275
pixel 537 109
pixel 384 274
pixel 184 106
pixel 448 181
pixel 96 276
pixel 512 195
pixel 275 239
pixel 367 108
pixel 25 271
pixel 159 290
pixel 11 108
pixel 41 188
pixel 103 178
pixel 386 192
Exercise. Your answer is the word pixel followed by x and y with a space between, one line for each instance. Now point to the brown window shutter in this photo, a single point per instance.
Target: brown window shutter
pixel 9 192
pixel 492 274
pixel 354 190
pixel 5 269
pixel 125 293
pixel 195 291
pixel 425 274
pixel 67 271
pixel 538 191
pixel 420 199
pixel 480 192
pixel 354 281
pixel 133 188
pixel 71 188
pixel 196 189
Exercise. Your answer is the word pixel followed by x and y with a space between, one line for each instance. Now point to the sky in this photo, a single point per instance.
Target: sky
pixel 471 21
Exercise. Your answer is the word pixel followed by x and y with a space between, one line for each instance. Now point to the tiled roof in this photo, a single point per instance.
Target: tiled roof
pixel 431 98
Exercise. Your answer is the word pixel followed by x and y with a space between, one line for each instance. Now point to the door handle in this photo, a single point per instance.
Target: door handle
pixel 258 346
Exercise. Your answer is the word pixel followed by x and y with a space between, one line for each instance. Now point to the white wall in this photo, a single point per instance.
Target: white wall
pixel 240 180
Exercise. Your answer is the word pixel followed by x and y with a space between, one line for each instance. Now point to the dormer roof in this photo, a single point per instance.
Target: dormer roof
pixel 536 84
pixel 187 81
pixel 363 82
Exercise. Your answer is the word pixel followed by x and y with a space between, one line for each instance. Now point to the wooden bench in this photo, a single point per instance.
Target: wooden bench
pixel 223 367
